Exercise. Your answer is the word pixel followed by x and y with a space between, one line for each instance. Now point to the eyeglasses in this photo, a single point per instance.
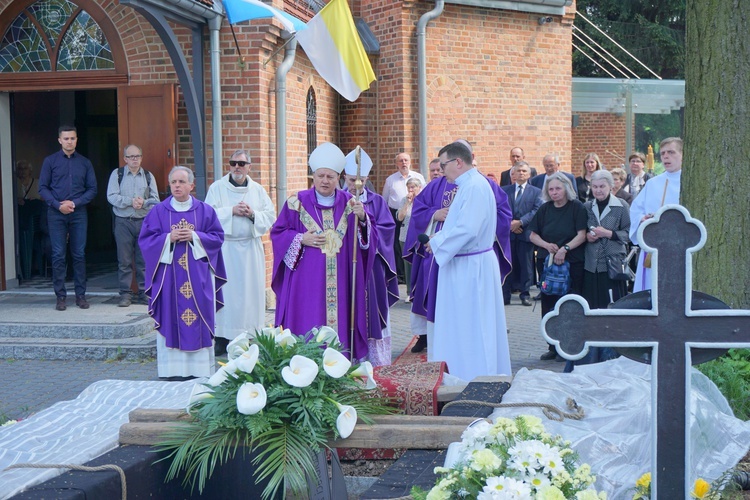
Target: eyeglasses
pixel 442 165
pixel 233 163
pixel 133 157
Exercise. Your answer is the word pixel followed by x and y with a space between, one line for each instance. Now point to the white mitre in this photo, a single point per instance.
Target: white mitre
pixel 351 163
pixel 327 155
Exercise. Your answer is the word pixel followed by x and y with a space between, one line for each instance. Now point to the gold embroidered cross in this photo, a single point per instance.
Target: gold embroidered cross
pixel 186 290
pixel 188 317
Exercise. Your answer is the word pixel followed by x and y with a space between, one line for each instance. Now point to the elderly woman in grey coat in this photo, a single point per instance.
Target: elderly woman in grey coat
pixel 607 238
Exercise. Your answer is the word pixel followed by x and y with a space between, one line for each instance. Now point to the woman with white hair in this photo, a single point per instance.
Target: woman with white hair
pixel 559 227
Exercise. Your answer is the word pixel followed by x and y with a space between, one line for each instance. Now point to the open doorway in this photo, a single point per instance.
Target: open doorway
pixel 35 118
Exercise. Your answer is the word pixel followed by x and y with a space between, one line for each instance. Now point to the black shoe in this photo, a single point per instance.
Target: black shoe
pixel 420 345
pixel 220 346
pixel 548 356
pixel 526 301
pixel 82 302
pixel 141 298
pixel 125 301
pixel 61 304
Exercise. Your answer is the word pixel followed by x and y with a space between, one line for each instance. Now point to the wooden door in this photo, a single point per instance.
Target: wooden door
pixel 147 117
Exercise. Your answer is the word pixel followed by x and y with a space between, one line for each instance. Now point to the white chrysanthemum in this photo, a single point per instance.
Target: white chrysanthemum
pixel 538 481
pixel 505 487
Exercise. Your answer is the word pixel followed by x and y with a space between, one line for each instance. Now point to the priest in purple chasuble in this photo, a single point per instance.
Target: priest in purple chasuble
pixel 181 242
pixel 382 286
pixel 429 212
pixel 315 239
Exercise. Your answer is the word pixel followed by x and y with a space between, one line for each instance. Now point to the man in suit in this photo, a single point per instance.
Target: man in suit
pixel 516 155
pixel 551 165
pixel 524 200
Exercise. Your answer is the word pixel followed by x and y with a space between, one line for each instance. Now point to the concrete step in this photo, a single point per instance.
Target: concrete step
pixel 134 325
pixel 136 348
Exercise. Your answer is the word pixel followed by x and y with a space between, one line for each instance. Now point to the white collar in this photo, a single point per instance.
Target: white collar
pixel 326 201
pixel 181 206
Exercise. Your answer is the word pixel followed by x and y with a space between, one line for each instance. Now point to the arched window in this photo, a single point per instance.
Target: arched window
pixel 53 38
pixel 312 122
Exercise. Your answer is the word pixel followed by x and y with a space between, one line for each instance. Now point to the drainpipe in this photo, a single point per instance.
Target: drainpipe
pixel 281 72
pixel 214 25
pixel 422 81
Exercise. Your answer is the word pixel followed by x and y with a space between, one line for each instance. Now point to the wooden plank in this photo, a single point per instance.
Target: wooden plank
pixel 164 415
pixel 427 436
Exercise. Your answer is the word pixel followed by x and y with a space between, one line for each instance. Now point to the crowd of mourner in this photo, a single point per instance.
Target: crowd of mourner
pixel 461 242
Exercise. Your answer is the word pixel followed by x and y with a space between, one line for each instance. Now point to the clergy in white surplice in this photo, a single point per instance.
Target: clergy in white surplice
pixel 470 330
pixel 664 189
pixel 246 213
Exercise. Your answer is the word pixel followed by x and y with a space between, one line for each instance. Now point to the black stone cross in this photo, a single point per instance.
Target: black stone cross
pixel 670 329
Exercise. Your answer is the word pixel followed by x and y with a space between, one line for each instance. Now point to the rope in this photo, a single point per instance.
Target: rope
pixel 78 467
pixel 552 412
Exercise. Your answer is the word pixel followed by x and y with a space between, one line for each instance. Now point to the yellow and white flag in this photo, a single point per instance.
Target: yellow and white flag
pixel 332 44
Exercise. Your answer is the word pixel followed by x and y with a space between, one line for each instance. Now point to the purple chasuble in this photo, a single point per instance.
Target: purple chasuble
pixel 309 293
pixel 438 194
pixel 182 293
pixel 382 286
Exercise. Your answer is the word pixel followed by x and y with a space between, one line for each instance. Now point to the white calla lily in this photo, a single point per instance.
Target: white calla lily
pixel 269 331
pixel 335 364
pixel 199 393
pixel 300 372
pixel 222 374
pixel 286 338
pixel 364 370
pixel 346 420
pixel 246 362
pixel 251 398
pixel 326 334
pixel 238 345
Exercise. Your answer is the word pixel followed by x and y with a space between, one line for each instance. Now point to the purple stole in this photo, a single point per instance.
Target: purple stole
pixel 182 293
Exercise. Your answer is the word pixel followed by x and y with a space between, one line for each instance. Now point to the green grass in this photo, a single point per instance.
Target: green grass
pixel 731 374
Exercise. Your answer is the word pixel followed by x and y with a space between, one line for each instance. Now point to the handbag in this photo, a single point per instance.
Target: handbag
pixel 618 269
pixel 556 279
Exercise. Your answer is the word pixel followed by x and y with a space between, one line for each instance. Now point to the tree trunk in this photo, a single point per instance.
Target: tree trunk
pixel 716 166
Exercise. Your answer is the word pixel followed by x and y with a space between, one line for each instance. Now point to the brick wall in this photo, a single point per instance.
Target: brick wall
pixel 600 133
pixel 494 77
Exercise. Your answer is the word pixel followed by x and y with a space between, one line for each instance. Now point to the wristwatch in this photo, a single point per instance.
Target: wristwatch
pixel 567 248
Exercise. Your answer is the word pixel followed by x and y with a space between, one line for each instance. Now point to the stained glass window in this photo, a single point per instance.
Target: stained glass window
pixel 82 46
pixel 22 48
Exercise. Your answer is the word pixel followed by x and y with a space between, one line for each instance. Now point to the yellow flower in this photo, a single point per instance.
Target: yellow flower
pixel 644 481
pixel 700 488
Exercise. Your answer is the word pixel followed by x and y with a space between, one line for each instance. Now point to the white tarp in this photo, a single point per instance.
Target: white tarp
pixel 614 437
pixel 77 431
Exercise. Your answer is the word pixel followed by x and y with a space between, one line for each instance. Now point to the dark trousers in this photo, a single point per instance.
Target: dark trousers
pixel 398 252
pixel 523 269
pixel 128 254
pixel 64 228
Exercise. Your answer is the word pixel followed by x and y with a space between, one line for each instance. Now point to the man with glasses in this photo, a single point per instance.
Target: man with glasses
pixel 67 184
pixel 246 213
pixel 469 288
pixel 132 192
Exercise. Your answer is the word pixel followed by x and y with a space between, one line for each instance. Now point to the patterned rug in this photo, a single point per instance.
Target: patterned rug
pixel 411 383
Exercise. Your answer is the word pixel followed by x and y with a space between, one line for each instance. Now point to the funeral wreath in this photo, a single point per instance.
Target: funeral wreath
pixel 280 396
pixel 513 459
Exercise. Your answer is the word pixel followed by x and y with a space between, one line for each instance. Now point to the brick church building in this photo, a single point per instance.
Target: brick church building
pixel 167 76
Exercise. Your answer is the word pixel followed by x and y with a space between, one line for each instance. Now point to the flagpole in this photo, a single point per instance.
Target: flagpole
pixel 236 44
pixel 357 187
pixel 279 49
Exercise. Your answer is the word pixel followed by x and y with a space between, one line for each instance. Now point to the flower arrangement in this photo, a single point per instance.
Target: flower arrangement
pixel 279 395
pixel 513 459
